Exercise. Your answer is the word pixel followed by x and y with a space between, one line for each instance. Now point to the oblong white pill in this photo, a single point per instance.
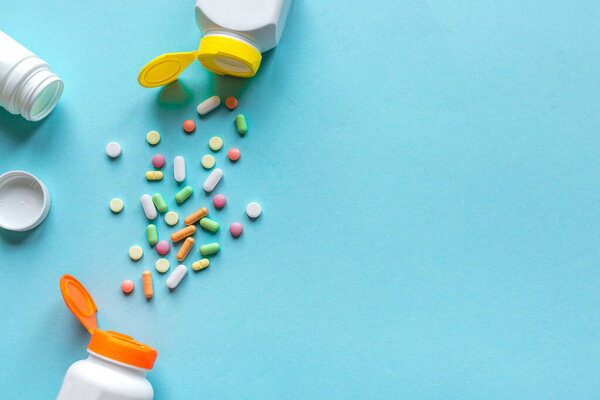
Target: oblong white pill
pixel 179 169
pixel 208 105
pixel 176 276
pixel 213 180
pixel 148 207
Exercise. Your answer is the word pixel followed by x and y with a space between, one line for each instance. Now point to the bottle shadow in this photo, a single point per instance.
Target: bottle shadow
pixel 17 128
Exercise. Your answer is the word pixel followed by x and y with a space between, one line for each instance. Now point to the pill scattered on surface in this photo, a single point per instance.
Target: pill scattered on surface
pixel 209 248
pixel 171 218
pixel 231 102
pixel 209 224
pixel 162 265
pixel 163 247
pixel 183 233
pixel 185 249
pixel 208 161
pixel 196 216
pixel 127 286
pixel 158 160
pixel 200 264
pixel 176 276
pixel 236 229
pixel 189 126
pixel 179 169
pixel 154 175
pixel 113 149
pixel 159 202
pixel 215 143
pixel 208 105
pixel 152 234
pixel 148 207
pixel 219 201
pixel 153 137
pixel 241 124
pixel 147 281
pixel 184 194
pixel 213 180
pixel 116 205
pixel 135 253
pixel 253 210
pixel 234 154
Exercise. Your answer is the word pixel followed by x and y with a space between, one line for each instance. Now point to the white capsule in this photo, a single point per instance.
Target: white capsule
pixel 213 180
pixel 179 169
pixel 148 207
pixel 208 105
pixel 176 276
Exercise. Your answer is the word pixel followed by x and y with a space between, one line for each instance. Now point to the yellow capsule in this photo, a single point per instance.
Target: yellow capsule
pixel 154 175
pixel 200 264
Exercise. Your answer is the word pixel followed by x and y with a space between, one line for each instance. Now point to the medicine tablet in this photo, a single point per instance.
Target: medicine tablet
pixel 184 194
pixel 210 248
pixel 152 234
pixel 163 247
pixel 183 233
pixel 200 264
pixel 148 207
pixel 113 149
pixel 189 126
pixel 185 249
pixel 219 201
pixel 253 210
pixel 153 137
pixel 209 224
pixel 196 216
pixel 154 175
pixel 147 282
pixel 208 161
pixel 127 286
pixel 176 276
pixel 215 143
pixel 162 265
pixel 158 161
pixel 116 205
pixel 213 180
pixel 234 154
pixel 241 124
pixel 179 169
pixel 231 102
pixel 236 229
pixel 171 218
pixel 208 105
pixel 135 253
pixel 159 202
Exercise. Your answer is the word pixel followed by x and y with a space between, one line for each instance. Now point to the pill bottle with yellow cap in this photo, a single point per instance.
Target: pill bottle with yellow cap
pixel 235 34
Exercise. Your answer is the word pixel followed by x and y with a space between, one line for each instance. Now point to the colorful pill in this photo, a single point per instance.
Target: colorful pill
pixel 183 233
pixel 185 249
pixel 207 161
pixel 213 180
pixel 148 207
pixel 200 264
pixel 163 247
pixel 158 161
pixel 242 125
pixel 135 253
pixel 116 205
pixel 236 229
pixel 154 175
pixel 176 276
pixel 208 105
pixel 113 149
pixel 152 234
pixel 153 137
pixel 215 143
pixel 209 224
pixel 231 102
pixel 179 169
pixel 234 154
pixel 184 194
pixel 159 202
pixel 127 286
pixel 196 216
pixel 189 126
pixel 171 218
pixel 162 265
pixel 147 281
pixel 210 248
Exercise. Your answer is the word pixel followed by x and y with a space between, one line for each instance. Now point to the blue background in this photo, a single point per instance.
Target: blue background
pixel 429 175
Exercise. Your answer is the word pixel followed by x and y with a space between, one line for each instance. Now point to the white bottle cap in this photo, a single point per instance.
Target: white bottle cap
pixel 24 201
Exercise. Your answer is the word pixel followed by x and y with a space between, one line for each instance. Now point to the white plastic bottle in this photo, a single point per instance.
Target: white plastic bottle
pixel 27 85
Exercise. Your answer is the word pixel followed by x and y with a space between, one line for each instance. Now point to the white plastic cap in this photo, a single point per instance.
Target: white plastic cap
pixel 24 201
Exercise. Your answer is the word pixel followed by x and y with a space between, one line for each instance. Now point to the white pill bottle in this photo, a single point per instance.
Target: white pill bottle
pixel 27 85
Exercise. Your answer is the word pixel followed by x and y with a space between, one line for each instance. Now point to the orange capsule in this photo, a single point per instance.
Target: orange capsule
pixel 147 281
pixel 196 216
pixel 183 233
pixel 231 102
pixel 185 249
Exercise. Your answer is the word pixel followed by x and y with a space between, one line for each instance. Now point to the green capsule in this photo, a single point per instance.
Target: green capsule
pixel 242 125
pixel 184 194
pixel 159 202
pixel 209 224
pixel 210 248
pixel 152 234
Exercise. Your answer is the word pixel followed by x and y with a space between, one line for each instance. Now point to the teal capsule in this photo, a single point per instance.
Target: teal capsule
pixel 152 234
pixel 159 202
pixel 210 248
pixel 184 194
pixel 209 224
pixel 242 125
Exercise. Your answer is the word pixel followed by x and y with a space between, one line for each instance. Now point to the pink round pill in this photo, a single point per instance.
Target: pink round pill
pixel 236 229
pixel 163 247
pixel 158 161
pixel 219 201
pixel 127 286
pixel 234 154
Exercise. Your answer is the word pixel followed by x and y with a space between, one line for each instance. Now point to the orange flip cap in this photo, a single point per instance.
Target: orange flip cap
pixel 79 301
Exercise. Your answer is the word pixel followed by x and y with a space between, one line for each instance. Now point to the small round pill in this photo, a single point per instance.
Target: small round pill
pixel 158 161
pixel 231 102
pixel 219 201
pixel 135 253
pixel 171 218
pixel 189 126
pixel 208 161
pixel 234 154
pixel 153 137
pixel 236 229
pixel 253 210
pixel 116 205
pixel 127 286
pixel 162 265
pixel 215 143
pixel 163 247
pixel 113 149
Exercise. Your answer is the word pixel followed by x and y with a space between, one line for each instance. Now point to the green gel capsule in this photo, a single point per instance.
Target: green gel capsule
pixel 152 234
pixel 209 224
pixel 242 125
pixel 210 248
pixel 159 202
pixel 184 194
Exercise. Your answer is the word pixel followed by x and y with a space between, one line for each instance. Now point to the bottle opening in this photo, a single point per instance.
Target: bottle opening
pixel 46 99
pixel 231 65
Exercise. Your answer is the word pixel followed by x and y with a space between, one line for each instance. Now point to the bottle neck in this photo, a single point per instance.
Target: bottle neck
pixel 108 363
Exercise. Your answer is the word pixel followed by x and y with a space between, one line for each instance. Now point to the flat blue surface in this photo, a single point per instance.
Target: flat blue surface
pixel 429 174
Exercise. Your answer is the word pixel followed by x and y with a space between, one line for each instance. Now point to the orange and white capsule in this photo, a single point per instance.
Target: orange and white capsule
pixel 196 216
pixel 185 248
pixel 147 281
pixel 183 233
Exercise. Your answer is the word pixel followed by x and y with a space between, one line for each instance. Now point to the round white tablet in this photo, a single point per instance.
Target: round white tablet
pixel 135 253
pixel 253 210
pixel 162 265
pixel 171 218
pixel 116 205
pixel 113 149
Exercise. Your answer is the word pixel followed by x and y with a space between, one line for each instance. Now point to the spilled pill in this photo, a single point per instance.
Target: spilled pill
pixel 147 281
pixel 213 180
pixel 219 201
pixel 158 161
pixel 176 276
pixel 154 175
pixel 185 249
pixel 234 154
pixel 208 105
pixel 208 161
pixel 183 233
pixel 189 126
pixel 253 210
pixel 215 143
pixel 162 265
pixel 113 149
pixel 163 247
pixel 116 205
pixel 148 207
pixel 171 218
pixel 196 216
pixel 159 202
pixel 127 286
pixel 153 137
pixel 241 124
pixel 209 248
pixel 135 253
pixel 184 194
pixel 152 234
pixel 231 102
pixel 236 229
pixel 200 264
pixel 179 169
pixel 209 224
